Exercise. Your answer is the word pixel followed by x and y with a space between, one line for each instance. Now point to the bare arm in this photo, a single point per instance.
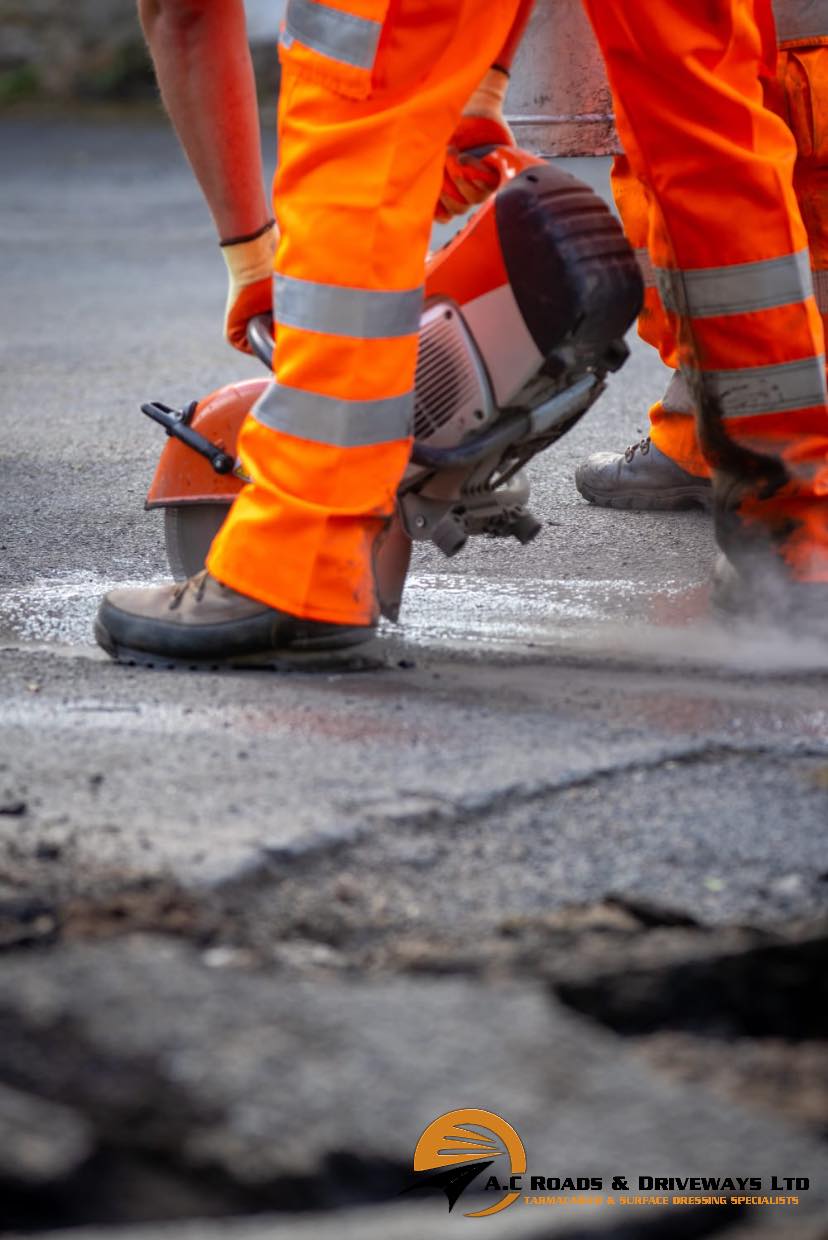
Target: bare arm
pixel 510 47
pixel 202 62
pixel 490 96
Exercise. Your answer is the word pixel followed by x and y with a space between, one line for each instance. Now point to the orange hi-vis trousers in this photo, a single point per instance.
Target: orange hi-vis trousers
pixel 799 93
pixel 371 91
pixel 730 251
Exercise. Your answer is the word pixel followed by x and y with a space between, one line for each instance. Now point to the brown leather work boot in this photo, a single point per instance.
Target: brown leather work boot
pixel 201 623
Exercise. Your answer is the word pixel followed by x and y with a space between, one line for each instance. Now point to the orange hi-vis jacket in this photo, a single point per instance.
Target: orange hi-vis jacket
pixel 730 250
pixel 371 91
pixel 799 93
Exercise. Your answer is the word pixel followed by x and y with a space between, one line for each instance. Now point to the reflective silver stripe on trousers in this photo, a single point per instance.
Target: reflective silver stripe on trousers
pixel 821 290
pixel 339 311
pixel 341 36
pixel 646 267
pixel 739 289
pixel 767 389
pixel 328 420
pixel 800 19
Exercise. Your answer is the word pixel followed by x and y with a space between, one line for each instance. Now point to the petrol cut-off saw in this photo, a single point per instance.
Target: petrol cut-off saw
pixel 524 316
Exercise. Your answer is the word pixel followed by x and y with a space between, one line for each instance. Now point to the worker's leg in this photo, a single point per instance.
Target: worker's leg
pixel 355 193
pixel 634 207
pixel 665 469
pixel 733 266
pixel 672 421
pixel 802 100
pixel 650 480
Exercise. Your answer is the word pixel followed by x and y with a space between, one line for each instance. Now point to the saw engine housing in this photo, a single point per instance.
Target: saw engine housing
pixel 524 316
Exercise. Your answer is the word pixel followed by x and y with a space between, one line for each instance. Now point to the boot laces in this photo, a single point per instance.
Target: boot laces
pixel 197 582
pixel 643 446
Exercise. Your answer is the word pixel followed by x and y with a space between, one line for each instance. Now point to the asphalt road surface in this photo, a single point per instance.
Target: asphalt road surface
pixel 560 853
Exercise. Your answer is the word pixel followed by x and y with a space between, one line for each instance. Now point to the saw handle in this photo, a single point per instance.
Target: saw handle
pixel 260 338
pixel 176 423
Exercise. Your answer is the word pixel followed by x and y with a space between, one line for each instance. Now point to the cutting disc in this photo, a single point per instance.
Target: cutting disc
pixel 189 530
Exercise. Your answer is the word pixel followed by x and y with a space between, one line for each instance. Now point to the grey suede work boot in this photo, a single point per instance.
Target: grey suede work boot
pixel 641 477
pixel 202 623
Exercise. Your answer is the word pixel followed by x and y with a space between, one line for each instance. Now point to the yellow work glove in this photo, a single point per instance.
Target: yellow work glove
pixel 250 289
pixel 468 179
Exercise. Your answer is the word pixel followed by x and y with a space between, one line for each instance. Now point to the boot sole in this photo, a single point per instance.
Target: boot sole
pixel 675 500
pixel 320 653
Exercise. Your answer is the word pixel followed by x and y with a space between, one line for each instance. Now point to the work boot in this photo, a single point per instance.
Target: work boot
pixel 202 623
pixel 759 591
pixel 641 477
